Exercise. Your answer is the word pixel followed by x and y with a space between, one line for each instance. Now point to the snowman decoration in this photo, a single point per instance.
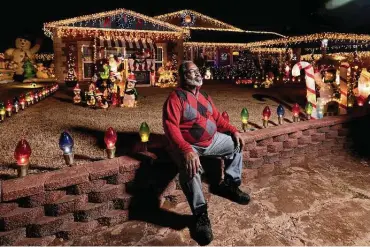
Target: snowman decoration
pixel 130 93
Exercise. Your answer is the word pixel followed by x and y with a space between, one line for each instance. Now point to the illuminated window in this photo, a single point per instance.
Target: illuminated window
pixel 158 57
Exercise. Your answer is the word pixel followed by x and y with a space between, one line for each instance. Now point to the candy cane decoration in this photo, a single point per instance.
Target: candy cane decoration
pixel 344 69
pixel 310 83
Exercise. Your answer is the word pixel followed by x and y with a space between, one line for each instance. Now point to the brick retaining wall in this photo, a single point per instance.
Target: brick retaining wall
pixel 74 201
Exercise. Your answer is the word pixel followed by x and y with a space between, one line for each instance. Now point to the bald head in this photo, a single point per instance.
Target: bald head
pixel 189 74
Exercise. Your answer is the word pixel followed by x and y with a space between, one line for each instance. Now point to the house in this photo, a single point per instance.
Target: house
pixel 143 43
pixel 213 40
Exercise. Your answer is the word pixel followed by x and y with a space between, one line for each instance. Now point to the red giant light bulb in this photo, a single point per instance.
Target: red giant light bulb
pixel 22 152
pixel 226 116
pixel 110 138
pixel 296 110
pixel 266 113
pixel 9 106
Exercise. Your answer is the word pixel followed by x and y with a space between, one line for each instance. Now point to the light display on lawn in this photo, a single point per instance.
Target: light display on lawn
pixel 110 139
pixel 22 101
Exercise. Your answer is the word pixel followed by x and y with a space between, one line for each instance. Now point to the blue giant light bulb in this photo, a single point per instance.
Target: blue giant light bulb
pixel 280 111
pixel 66 143
pixel 15 101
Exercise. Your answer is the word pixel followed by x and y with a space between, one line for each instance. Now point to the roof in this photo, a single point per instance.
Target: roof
pixel 200 22
pixel 208 22
pixel 119 21
pixel 314 41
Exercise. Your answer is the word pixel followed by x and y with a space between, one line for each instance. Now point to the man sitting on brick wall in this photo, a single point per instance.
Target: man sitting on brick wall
pixel 191 121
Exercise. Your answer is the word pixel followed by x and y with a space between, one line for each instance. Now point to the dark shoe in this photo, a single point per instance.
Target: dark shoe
pixel 231 191
pixel 203 230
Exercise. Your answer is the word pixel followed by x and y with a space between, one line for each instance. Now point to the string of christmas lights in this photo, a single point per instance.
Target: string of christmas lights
pixel 213 45
pixel 267 50
pixel 215 29
pixel 102 15
pixel 39 56
pixel 71 64
pixel 222 26
pixel 198 15
pixel 337 55
pixel 44 56
pixel 313 37
pixel 115 34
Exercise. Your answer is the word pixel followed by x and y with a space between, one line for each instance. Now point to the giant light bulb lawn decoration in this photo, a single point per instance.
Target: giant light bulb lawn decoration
pixel 9 108
pixel 308 110
pixel 295 111
pixel 22 155
pixel 310 83
pixel 16 104
pixel 266 116
pixel 28 99
pixel 66 145
pixel 280 112
pixel 110 139
pixel 36 96
pixel 144 132
pixel 244 117
pixel 2 112
pixel 22 102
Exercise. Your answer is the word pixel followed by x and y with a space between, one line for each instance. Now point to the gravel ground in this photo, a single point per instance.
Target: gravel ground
pixel 41 124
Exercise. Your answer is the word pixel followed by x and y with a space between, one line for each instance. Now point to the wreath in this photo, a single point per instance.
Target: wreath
pixel 188 19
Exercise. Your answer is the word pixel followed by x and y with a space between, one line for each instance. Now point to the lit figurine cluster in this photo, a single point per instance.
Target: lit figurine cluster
pixel 23 101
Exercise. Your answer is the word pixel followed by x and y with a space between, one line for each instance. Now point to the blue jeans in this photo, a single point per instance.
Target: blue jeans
pixel 222 146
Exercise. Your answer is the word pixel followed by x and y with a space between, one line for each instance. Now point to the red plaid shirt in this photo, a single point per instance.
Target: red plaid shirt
pixel 190 119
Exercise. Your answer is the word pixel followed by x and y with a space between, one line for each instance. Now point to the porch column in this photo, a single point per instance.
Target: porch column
pixel 191 53
pixel 59 58
pixel 180 50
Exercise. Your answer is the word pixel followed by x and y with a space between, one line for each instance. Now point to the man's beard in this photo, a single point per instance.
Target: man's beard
pixel 197 82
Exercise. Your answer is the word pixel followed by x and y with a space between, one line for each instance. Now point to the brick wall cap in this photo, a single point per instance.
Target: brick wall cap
pixel 21 187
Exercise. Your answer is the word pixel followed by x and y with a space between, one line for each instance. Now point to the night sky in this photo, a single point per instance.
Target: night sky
pixel 284 16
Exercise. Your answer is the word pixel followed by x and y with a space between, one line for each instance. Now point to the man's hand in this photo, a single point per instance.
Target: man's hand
pixel 192 163
pixel 239 141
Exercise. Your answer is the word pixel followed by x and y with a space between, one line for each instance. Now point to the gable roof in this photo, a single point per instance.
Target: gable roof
pixel 216 25
pixel 106 21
